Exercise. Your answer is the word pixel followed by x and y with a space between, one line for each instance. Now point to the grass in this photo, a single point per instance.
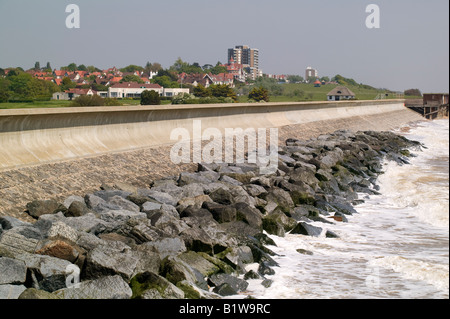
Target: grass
pixel 292 92
pixel 303 92
pixel 60 103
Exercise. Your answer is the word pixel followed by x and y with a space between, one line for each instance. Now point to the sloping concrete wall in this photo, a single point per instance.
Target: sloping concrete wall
pixel 33 136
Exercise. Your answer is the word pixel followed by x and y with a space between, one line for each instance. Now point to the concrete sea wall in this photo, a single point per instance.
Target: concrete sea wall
pixel 36 136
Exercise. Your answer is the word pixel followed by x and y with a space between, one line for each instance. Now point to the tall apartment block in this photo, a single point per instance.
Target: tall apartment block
pixel 248 57
pixel 311 73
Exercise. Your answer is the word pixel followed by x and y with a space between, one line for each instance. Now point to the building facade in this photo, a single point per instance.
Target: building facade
pixel 311 73
pixel 340 93
pixel 247 57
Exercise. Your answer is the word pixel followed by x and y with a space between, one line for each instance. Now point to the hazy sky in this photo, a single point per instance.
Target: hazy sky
pixel 409 50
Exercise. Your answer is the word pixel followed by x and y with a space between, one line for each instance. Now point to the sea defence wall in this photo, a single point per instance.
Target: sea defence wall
pixel 35 136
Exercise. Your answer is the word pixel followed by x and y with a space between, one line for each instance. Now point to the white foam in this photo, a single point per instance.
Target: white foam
pixel 434 274
pixel 396 247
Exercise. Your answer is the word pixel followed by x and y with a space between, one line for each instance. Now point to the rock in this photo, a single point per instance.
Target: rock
pixel 229 180
pixel 251 274
pixel 167 223
pixel 239 229
pixel 76 209
pixel 281 198
pixel 30 232
pixel 60 249
pixel 303 228
pixel 13 244
pixel 176 270
pixel 108 261
pixel 12 271
pixel 123 203
pixel 161 197
pixel 149 259
pixel 168 246
pixel 149 285
pixel 108 287
pixel 7 222
pixel 221 213
pixel 89 223
pixel 150 206
pixel 261 181
pixel 204 177
pixel 224 290
pixel 143 232
pixel 249 215
pixel 62 230
pixel 196 261
pixel 114 216
pixel 222 196
pixel 277 223
pixel 37 208
pixel 196 239
pixel 45 272
pixel 98 204
pixel 266 283
pixel 264 269
pixel 195 202
pixel 304 251
pixel 235 283
pixel 255 190
pixel 11 291
pixel 33 293
pixel 74 198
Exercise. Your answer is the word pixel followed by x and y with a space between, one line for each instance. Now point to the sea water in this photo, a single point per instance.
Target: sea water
pixel 397 246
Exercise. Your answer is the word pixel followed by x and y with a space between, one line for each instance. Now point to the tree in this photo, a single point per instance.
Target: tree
pixel 67 84
pixel 72 67
pixel 4 90
pixel 48 67
pixel 132 68
pixel 413 92
pixel 201 91
pixel 82 67
pixel 150 98
pixel 88 100
pixel 259 94
pixel 165 81
pixel 222 90
pixel 131 78
pixel 37 66
pixel 295 78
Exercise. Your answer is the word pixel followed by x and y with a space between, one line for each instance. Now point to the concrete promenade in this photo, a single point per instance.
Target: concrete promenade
pixel 36 136
pixel 84 168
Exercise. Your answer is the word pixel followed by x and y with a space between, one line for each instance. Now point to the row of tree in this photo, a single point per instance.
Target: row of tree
pixel 21 86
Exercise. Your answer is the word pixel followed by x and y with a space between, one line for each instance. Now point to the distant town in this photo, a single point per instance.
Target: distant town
pixel 242 69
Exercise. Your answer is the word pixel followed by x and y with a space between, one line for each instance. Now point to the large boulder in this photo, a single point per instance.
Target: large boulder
pixel 12 271
pixel 108 287
pixel 110 261
pixel 37 208
pixel 46 272
pixel 149 285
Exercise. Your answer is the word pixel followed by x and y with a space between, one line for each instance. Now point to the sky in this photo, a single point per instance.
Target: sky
pixel 410 49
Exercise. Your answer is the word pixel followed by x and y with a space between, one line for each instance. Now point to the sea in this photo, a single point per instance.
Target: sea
pixel 395 247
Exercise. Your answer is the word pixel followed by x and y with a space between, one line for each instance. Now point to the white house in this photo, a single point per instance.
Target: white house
pixel 132 89
pixel 340 93
pixel 171 92
pixel 72 94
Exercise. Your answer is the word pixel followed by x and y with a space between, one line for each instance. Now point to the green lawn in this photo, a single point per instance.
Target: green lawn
pixel 54 104
pixel 303 92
